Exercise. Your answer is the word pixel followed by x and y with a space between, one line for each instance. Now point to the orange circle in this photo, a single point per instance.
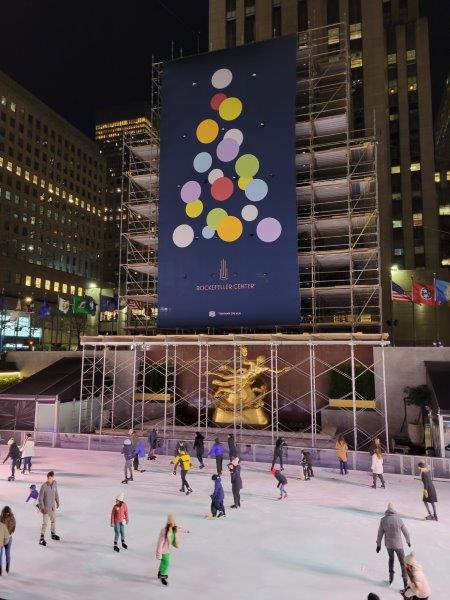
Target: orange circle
pixel 207 131
pixel 229 229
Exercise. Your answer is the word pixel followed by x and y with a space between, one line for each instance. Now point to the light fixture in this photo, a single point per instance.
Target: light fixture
pixel 91 285
pixel 28 299
pixel 394 268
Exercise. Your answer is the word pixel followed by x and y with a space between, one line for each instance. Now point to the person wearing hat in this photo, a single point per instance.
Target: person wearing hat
pixel 232 447
pixel 217 498
pixel 127 451
pixel 418 586
pixel 391 528
pixel 236 481
pixel 429 491
pixel 217 452
pixel 168 536
pixel 184 460
pixel 134 437
pixel 27 453
pixel 14 455
pixel 119 518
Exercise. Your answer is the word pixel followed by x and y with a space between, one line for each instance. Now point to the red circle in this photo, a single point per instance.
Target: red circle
pixel 222 189
pixel 217 100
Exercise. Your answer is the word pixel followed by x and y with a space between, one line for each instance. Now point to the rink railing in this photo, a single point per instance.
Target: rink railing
pixel 401 464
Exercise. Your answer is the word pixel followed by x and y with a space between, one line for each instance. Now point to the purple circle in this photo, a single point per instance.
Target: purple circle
pixel 190 192
pixel 227 150
pixel 268 229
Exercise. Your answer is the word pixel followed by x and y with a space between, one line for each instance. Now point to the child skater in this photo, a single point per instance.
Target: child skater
pixel 429 491
pixel 119 518
pixel 184 460
pixel 307 464
pixel 217 498
pixel 168 537
pixel 377 468
pixel 282 481
pixel 34 494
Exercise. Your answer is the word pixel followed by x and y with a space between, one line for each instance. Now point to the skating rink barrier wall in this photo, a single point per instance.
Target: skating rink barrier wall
pixel 401 464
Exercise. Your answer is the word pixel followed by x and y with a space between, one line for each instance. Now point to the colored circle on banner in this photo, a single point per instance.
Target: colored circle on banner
pixel 234 134
pixel 202 162
pixel 194 209
pixel 183 236
pixel 247 165
pixel 222 189
pixel 229 229
pixel 227 150
pixel 230 109
pixel 208 232
pixel 214 174
pixel 243 182
pixel 256 190
pixel 215 216
pixel 268 229
pixel 249 212
pixel 217 100
pixel 207 131
pixel 222 78
pixel 190 191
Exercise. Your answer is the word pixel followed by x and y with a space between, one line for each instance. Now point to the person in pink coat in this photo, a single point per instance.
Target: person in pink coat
pixel 168 536
pixel 119 518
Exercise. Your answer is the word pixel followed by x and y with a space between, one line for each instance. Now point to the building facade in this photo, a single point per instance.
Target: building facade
pixel 390 93
pixel 442 175
pixel 52 180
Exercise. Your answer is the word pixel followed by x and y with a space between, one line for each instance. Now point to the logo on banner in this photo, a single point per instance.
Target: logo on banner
pixel 223 271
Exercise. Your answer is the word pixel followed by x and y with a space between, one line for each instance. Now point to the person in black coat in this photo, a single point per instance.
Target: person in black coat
pixel 14 455
pixel 429 491
pixel 306 463
pixel 282 482
pixel 199 447
pixel 278 453
pixel 232 446
pixel 152 437
pixel 236 481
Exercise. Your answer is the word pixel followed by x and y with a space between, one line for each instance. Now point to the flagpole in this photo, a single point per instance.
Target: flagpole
pixel 392 312
pixel 2 320
pixel 436 312
pixel 413 310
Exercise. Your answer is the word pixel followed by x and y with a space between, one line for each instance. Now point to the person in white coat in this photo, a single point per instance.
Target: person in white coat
pixel 418 587
pixel 27 451
pixel 377 468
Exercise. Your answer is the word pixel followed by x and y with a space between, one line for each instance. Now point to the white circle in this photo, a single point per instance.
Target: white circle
pixel 249 212
pixel 183 236
pixel 235 134
pixel 222 78
pixel 214 174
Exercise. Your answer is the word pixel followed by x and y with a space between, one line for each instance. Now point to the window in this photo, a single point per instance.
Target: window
pixel 80 291
pixel 356 59
pixel 47 284
pixel 355 31
pixel 302 15
pixel 392 86
pixel 28 280
pixel 444 210
pixel 395 169
pixel 415 166
pixel 276 18
pixel 72 290
pixel 332 11
pixel 249 29
pixel 448 175
pixel 333 36
pixel 417 219
pixel 354 11
pixel 392 58
pixel 419 249
pixel 412 84
pixel 38 282
pixel 398 251
pixel 230 41
pixel 410 55
pixel 397 223
pixel 231 9
pixel 249 7
pixel 437 177
pixel 64 288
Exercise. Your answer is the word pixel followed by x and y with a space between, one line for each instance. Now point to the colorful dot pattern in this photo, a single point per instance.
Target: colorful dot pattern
pixel 230 152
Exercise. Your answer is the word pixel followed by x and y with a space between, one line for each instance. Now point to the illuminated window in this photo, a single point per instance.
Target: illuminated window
pixel 395 169
pixel 80 291
pixel 1 161
pixel 410 55
pixel 417 219
pixel 9 166
pixel 393 117
pixel 64 288
pixel 35 179
pixel 13 106
pixel 448 175
pixel 333 36
pixel 412 84
pixel 392 86
pixel 56 286
pixel 444 210
pixel 38 282
pixel 398 252
pixel 396 196
pixel 18 170
pixel 391 59
pixel 355 31
pixel 415 167
pixel 356 60
pixel 396 224
pixel 28 280
pixel 72 289
pixel 437 177
pixel 27 175
pixel 419 250
pixel 47 284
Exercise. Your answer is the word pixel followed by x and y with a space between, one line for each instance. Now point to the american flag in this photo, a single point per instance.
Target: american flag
pixel 398 294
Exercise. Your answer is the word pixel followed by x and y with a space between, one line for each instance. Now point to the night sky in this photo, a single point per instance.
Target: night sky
pixel 81 55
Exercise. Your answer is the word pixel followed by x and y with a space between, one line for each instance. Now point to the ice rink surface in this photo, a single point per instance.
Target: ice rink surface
pixel 317 544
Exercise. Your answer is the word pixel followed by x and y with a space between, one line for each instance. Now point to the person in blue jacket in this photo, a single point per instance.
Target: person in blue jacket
pixel 217 452
pixel 217 498
pixel 139 452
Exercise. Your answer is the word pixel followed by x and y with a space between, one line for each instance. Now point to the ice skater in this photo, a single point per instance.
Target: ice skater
pixel 217 498
pixel 429 491
pixel 27 453
pixel 33 495
pixel 199 447
pixel 377 468
pixel 418 586
pixel 134 437
pixel 282 482
pixel 48 503
pixel 14 455
pixel 119 518
pixel 217 451
pixel 342 454
pixel 168 537
pixel 232 447
pixel 8 521
pixel 278 453
pixel 184 460
pixel 236 482
pixel 139 453
pixel 391 528
pixel 152 437
pixel 306 463
pixel 127 451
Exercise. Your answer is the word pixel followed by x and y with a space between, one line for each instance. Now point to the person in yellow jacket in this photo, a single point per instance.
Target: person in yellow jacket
pixel 184 460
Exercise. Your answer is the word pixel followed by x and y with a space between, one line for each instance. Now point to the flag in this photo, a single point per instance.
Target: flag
pixel 423 293
pixel 108 304
pixel 44 311
pixel 442 291
pixel 84 305
pixel 63 305
pixel 398 294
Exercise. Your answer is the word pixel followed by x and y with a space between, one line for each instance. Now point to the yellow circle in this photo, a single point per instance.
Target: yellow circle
pixel 230 109
pixel 194 209
pixel 229 229
pixel 243 182
pixel 207 131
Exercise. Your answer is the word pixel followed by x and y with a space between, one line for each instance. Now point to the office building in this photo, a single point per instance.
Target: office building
pixel 442 175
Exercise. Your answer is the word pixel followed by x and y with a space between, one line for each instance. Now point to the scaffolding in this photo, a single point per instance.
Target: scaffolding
pixel 166 381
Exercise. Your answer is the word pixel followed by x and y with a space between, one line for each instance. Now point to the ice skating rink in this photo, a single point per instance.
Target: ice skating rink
pixel 318 544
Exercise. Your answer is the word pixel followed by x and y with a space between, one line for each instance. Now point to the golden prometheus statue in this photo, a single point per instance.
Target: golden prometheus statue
pixel 239 394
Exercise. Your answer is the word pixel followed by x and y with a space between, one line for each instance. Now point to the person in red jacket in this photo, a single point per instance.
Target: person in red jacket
pixel 119 518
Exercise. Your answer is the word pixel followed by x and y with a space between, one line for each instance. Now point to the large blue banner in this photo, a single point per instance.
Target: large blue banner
pixel 227 206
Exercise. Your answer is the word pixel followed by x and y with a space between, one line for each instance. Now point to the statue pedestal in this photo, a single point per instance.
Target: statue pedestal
pixel 255 417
